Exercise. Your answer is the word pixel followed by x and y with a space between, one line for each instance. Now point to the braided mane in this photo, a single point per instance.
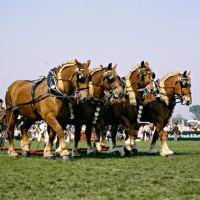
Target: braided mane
pixel 132 70
pixel 99 68
pixel 62 67
pixel 170 74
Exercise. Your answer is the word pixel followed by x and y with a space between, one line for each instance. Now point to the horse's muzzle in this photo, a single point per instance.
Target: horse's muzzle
pixel 186 101
pixel 118 95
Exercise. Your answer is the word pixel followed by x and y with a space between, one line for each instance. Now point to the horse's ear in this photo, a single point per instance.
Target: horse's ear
pixel 146 63
pixel 115 66
pixel 188 74
pixel 153 75
pixel 110 66
pixel 88 63
pixel 142 63
pixel 185 73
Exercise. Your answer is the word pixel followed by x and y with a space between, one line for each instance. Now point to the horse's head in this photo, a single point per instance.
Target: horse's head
pixel 106 78
pixel 140 77
pixel 145 75
pixel 74 75
pixel 183 88
pixel 81 80
pixel 112 82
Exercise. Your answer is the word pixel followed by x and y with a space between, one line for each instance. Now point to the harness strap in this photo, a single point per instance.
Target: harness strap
pixel 32 94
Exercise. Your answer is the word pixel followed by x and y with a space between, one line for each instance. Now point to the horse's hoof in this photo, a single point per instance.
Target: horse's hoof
pixel 55 153
pixel 116 152
pixel 49 158
pixel 135 151
pixel 14 157
pixel 66 158
pixel 170 155
pixel 127 152
pixel 25 153
pixel 96 153
pixel 90 153
pixel 76 157
pixel 153 154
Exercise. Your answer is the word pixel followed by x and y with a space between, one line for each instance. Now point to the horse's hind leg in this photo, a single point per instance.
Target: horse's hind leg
pixel 25 143
pixel 151 149
pixel 47 153
pixel 88 133
pixel 75 152
pixel 11 117
pixel 113 145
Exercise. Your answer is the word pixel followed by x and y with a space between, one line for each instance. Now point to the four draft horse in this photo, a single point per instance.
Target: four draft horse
pixel 47 99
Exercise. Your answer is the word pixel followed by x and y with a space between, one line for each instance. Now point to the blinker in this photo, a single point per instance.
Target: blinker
pixel 110 78
pixel 80 77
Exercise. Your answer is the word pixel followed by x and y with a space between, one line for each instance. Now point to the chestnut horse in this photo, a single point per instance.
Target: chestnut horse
pixel 122 112
pixel 48 99
pixel 172 86
pixel 103 78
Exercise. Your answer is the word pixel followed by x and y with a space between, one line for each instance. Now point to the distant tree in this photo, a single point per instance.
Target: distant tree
pixel 178 118
pixel 195 110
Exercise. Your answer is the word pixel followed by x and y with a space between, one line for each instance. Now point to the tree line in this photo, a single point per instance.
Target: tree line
pixel 195 110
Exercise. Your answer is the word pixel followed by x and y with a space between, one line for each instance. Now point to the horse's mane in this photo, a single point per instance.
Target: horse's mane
pixel 61 68
pixel 169 74
pixel 162 85
pixel 99 68
pixel 132 70
pixel 68 63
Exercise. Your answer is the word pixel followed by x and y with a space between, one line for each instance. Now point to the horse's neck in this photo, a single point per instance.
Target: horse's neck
pixel 148 98
pixel 138 94
pixel 167 89
pixel 135 86
pixel 97 90
pixel 65 86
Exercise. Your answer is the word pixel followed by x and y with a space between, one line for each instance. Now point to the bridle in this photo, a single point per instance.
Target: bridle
pixel 142 76
pixel 109 77
pixel 183 81
pixel 80 78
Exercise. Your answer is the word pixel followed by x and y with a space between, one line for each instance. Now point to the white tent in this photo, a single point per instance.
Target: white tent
pixel 192 122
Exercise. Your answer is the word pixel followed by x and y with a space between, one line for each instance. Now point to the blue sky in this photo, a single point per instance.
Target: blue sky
pixel 164 33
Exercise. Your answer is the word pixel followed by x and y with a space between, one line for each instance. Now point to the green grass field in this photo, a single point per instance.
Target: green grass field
pixel 105 176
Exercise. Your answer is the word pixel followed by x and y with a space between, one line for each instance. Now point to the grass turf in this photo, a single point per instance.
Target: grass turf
pixel 105 176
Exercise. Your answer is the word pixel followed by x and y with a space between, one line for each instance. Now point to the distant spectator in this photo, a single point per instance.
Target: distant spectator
pixel 195 127
pixel 176 131
pixel 146 134
pixel 2 118
pixel 141 131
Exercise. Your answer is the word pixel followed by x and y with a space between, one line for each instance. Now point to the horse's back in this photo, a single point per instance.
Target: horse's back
pixel 19 88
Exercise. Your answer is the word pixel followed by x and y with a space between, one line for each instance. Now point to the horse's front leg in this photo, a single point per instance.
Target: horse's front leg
pixel 165 151
pixel 64 153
